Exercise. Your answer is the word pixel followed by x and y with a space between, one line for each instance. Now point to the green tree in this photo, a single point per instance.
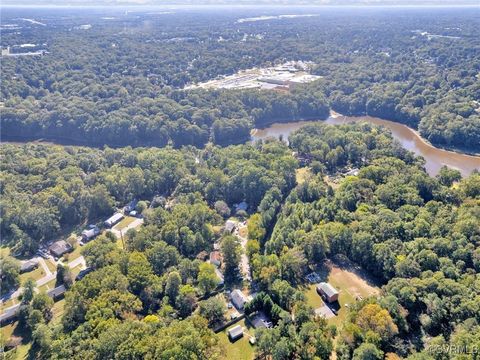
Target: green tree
pixel 207 278
pixel 10 270
pixel 213 309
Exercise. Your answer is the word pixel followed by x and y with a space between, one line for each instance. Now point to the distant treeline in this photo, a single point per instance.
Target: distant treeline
pixel 119 83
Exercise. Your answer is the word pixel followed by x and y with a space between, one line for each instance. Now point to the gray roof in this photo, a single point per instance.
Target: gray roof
pixel 9 313
pixel 235 331
pixel 29 264
pixel 90 233
pixel 327 289
pixel 59 290
pixel 114 218
pixel 60 247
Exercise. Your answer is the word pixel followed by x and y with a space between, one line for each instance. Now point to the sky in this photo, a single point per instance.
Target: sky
pixel 244 2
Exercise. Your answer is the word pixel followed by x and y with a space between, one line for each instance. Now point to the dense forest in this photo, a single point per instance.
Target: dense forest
pixel 112 92
pixel 117 78
pixel 155 297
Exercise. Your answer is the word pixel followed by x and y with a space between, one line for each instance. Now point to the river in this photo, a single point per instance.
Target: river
pixel 435 158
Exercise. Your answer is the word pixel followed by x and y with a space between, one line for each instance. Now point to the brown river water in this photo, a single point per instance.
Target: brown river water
pixel 409 138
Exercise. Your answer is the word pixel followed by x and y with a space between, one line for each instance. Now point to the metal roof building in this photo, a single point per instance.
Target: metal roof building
pixel 235 333
pixel 328 292
pixel 114 219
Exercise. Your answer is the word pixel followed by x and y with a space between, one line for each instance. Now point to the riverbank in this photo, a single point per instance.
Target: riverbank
pixel 409 138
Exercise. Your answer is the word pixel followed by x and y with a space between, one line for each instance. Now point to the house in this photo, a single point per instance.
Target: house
pixel 235 333
pixel 230 226
pixel 59 248
pixel 238 299
pixel 113 220
pixel 260 320
pixel 327 292
pixel 57 293
pixel 216 258
pixel 90 234
pixel 9 314
pixel 28 266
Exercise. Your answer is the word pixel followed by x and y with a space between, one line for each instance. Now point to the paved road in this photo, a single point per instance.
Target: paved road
pixel 46 279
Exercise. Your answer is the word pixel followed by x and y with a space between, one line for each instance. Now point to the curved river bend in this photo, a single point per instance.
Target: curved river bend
pixel 435 158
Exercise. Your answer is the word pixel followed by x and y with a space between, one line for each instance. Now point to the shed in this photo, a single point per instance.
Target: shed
pixel 238 299
pixel 328 292
pixel 59 248
pixel 28 265
pixel 114 219
pixel 57 292
pixel 235 333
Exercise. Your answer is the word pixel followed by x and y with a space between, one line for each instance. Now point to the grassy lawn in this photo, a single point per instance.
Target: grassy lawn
pixel 240 349
pixel 36 274
pixel 49 285
pixel 127 220
pixel 75 254
pixel 76 270
pixel 313 299
pixel 350 284
pixel 8 303
pixel 51 265
pixel 21 351
pixel 58 309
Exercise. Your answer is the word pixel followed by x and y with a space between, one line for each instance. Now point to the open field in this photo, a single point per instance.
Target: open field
pixel 350 281
pixel 36 274
pixel 49 285
pixel 8 303
pixel 240 349
pixel 127 220
pixel 75 254
pixel 51 265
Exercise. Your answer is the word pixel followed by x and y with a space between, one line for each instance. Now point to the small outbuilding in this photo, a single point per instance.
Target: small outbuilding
pixel 59 248
pixel 238 299
pixel 57 293
pixel 113 220
pixel 327 292
pixel 235 333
